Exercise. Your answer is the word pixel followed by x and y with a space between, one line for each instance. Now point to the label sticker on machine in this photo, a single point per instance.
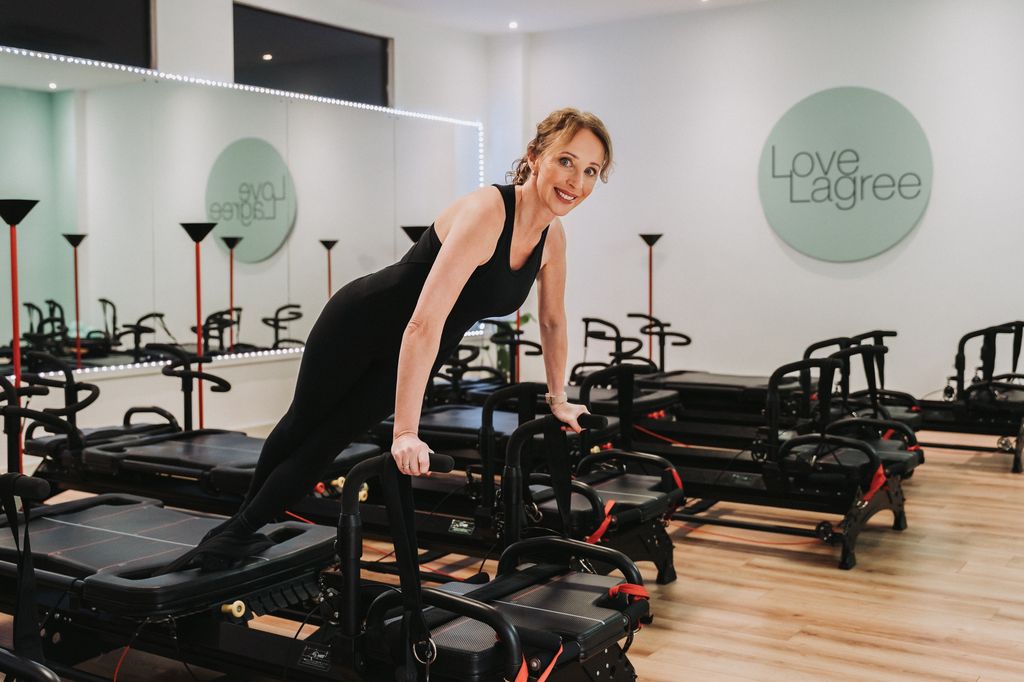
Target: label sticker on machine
pixel 316 657
pixel 462 527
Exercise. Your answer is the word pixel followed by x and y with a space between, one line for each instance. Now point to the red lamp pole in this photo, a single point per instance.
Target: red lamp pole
pixel 231 243
pixel 197 232
pixel 75 240
pixel 650 240
pixel 329 244
pixel 13 211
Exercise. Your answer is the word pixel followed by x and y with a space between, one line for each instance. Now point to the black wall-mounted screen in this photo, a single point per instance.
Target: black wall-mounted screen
pixel 308 57
pixel 115 31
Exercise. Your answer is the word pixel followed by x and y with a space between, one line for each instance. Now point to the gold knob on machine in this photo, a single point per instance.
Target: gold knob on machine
pixel 235 609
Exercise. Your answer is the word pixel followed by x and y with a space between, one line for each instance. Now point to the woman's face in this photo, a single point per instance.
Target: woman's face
pixel 566 171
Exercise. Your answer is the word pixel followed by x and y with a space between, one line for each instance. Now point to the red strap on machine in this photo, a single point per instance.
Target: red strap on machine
pixel 597 534
pixel 915 408
pixel 524 671
pixel 635 591
pixel 675 475
pixel 551 666
pixel 913 448
pixel 888 434
pixel 877 481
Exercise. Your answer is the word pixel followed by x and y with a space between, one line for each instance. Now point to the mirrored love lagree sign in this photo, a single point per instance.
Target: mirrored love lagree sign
pixel 250 193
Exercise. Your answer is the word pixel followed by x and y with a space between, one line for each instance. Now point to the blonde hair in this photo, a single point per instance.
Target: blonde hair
pixel 558 124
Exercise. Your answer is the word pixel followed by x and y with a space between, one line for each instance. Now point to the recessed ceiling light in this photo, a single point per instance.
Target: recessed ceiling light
pixel 53 86
pixel 513 25
pixel 267 56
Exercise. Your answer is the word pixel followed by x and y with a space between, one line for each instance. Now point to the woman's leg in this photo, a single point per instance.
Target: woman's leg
pixel 368 401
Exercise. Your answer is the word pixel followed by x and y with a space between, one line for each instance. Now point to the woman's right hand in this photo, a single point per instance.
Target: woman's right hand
pixel 411 455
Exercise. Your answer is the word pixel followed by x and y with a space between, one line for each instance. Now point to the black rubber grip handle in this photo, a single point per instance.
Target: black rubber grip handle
pixel 592 421
pixel 25 487
pixel 441 464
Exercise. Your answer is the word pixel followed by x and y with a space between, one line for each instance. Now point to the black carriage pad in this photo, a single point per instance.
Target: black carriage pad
pixel 459 426
pixel 606 400
pixel 904 415
pixel 235 478
pixel 602 400
pixel 226 459
pixel 833 459
pixel 461 423
pixel 111 544
pixel 51 445
pixel 736 386
pixel 195 450
pixel 895 457
pixel 629 491
pixel 539 601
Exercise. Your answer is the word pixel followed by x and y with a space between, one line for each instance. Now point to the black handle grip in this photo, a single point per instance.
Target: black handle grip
pixel 25 487
pixel 441 464
pixel 592 421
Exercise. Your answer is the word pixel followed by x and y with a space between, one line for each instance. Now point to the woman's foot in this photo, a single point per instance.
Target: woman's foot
pixel 225 546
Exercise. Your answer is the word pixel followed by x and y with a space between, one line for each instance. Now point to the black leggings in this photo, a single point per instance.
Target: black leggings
pixel 339 395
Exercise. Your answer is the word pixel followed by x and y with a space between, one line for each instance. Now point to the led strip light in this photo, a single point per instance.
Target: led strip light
pixel 17 51
pixel 215 358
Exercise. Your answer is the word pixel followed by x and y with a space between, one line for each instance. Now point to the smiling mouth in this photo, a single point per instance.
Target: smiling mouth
pixel 565 196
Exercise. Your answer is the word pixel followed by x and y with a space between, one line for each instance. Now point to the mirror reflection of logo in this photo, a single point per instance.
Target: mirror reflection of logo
pixel 256 201
pixel 845 174
pixel 250 194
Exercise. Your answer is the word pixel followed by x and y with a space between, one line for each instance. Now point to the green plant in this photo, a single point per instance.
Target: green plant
pixel 502 359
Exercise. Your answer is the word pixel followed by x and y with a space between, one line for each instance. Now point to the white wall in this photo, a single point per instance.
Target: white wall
pixel 690 100
pixel 194 38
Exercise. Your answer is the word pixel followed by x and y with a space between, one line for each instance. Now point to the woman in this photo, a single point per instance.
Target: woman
pixel 379 339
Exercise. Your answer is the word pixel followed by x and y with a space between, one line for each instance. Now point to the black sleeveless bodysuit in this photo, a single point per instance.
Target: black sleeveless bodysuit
pixel 349 370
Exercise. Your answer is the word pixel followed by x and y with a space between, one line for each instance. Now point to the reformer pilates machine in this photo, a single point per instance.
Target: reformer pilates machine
pixel 625 511
pixel 989 404
pixel 705 404
pixel 539 619
pixel 818 472
pixel 205 469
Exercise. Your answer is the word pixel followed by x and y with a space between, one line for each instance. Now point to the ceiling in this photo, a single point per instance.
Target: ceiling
pixel 493 16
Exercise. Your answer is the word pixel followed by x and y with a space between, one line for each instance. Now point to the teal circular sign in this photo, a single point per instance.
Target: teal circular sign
pixel 845 174
pixel 250 194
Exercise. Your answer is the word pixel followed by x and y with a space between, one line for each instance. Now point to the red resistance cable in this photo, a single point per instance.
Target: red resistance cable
pixel 607 521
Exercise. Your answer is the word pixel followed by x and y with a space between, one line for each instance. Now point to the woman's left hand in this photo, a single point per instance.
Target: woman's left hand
pixel 569 413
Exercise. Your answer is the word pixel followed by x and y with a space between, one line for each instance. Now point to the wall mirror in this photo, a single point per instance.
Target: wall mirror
pixel 124 155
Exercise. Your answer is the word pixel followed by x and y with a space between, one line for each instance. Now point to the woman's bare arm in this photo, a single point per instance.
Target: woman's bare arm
pixel 553 328
pixel 470 241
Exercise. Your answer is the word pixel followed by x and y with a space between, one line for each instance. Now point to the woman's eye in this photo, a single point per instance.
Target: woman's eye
pixel 565 161
pixel 591 172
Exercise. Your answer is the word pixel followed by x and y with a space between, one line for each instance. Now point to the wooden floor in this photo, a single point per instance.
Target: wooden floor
pixel 943 600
